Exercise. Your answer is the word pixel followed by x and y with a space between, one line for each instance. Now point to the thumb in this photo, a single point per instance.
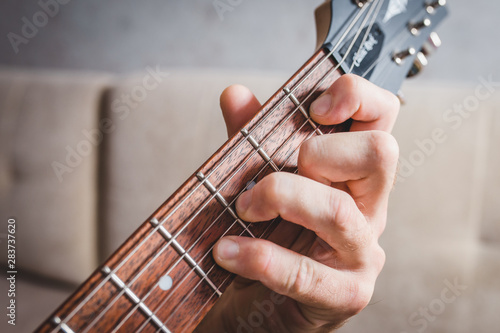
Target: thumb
pixel 238 106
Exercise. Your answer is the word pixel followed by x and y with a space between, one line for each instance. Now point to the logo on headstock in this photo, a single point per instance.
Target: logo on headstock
pixel 395 8
pixel 367 47
pixel 360 58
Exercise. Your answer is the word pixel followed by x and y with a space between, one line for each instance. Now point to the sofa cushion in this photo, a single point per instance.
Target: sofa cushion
pixel 48 169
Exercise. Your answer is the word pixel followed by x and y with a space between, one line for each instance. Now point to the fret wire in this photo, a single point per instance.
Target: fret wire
pixel 216 193
pixel 307 75
pixel 65 328
pixel 302 110
pixel 135 299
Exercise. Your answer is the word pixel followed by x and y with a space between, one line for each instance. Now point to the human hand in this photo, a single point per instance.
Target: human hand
pixel 327 272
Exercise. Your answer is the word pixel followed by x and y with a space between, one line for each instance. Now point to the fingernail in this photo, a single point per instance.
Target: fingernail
pixel 243 201
pixel 227 249
pixel 322 105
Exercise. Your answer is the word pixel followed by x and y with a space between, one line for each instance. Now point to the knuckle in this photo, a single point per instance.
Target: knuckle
pixel 343 210
pixel 350 82
pixel 385 150
pixel 302 278
pixel 359 294
pixel 349 99
pixel 262 258
pixel 349 222
pixel 379 258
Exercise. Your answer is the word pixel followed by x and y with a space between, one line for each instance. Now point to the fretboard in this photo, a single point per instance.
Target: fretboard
pixel 163 278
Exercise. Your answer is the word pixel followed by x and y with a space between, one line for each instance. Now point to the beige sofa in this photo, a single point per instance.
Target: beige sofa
pixel 76 194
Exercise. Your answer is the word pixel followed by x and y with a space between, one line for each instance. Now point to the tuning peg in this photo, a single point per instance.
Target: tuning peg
pixel 361 3
pixel 416 27
pixel 400 56
pixel 432 44
pixel 418 65
pixel 431 7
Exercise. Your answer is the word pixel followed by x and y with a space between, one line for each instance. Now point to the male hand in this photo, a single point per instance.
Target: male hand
pixel 336 207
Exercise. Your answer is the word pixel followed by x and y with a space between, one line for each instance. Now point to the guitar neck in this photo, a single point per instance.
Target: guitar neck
pixel 163 278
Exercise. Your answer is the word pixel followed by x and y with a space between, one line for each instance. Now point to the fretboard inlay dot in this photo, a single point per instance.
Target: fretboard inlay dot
pixel 165 283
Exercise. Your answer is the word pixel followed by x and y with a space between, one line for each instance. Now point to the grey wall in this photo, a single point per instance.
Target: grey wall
pixel 127 35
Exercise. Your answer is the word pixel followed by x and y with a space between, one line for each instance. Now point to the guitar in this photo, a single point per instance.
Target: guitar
pixel 163 278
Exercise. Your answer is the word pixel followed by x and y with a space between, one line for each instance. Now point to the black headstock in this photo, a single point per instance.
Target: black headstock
pixel 383 40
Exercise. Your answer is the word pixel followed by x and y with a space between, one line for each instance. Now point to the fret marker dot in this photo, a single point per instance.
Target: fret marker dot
pixel 165 283
pixel 250 185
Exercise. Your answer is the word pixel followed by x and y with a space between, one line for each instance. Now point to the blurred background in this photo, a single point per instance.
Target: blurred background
pixel 123 36
pixel 59 80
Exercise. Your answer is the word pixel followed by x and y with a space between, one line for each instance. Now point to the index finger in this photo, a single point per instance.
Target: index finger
pixel 351 96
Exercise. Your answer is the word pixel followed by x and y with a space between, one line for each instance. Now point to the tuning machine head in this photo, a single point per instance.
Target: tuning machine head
pixel 361 3
pixel 418 65
pixel 399 57
pixel 416 27
pixel 434 5
pixel 432 44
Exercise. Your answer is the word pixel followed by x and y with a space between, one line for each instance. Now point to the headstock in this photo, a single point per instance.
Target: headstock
pixel 383 40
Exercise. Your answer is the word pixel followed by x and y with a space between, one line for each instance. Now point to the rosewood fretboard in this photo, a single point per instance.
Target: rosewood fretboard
pixel 175 242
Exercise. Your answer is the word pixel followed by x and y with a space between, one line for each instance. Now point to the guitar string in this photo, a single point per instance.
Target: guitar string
pixel 174 237
pixel 187 297
pixel 284 98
